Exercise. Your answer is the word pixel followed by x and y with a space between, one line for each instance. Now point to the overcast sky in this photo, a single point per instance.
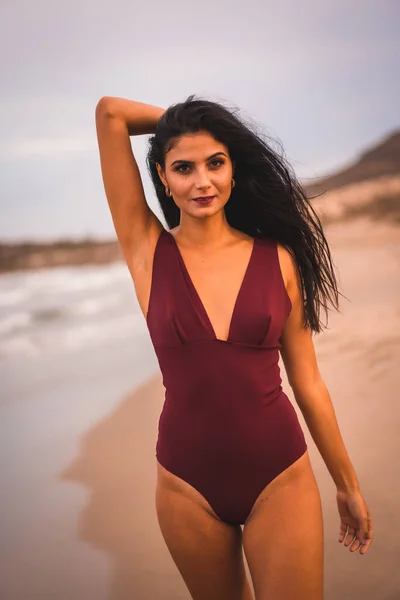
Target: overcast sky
pixel 321 76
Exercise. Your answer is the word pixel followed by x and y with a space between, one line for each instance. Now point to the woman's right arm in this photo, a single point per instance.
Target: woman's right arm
pixel 136 226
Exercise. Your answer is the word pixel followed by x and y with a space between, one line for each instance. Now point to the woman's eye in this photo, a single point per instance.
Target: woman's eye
pixel 219 162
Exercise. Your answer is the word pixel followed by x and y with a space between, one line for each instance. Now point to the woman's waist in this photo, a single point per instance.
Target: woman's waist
pixel 203 385
pixel 235 410
pixel 237 427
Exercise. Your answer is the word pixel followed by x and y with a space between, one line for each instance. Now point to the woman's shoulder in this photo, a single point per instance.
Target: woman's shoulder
pixel 288 264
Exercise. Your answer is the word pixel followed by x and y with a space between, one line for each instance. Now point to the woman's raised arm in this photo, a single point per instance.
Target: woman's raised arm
pixel 116 120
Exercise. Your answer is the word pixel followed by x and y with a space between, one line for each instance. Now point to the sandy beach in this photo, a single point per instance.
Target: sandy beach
pixel 78 517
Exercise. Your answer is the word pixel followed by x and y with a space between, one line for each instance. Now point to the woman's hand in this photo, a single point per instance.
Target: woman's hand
pixel 355 520
pixel 139 118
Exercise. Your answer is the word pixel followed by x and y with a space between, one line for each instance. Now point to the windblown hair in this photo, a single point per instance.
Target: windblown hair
pixel 267 200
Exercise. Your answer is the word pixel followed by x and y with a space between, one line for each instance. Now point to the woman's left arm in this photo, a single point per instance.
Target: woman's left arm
pixel 314 401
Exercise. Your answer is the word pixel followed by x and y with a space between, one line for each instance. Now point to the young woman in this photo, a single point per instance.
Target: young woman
pixel 240 275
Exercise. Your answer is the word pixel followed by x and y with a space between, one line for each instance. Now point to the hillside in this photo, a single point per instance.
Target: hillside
pixel 370 187
pixel 381 160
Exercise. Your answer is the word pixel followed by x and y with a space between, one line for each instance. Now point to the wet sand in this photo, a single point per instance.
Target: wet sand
pixel 104 541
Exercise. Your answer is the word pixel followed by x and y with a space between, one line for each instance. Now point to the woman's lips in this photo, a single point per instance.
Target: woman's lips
pixel 206 200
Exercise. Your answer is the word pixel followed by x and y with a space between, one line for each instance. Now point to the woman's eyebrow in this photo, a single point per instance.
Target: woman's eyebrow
pixel 190 162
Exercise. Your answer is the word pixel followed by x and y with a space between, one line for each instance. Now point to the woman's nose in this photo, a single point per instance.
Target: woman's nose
pixel 202 181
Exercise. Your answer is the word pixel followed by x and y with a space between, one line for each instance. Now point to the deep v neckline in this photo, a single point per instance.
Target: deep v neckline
pixel 197 295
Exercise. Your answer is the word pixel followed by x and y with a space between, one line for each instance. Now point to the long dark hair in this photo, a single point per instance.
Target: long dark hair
pixel 267 200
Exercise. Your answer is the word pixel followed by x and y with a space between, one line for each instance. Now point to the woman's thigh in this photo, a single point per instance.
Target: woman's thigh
pixel 207 552
pixel 283 537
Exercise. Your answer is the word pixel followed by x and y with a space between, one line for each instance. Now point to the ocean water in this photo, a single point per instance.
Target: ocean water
pixel 71 330
pixel 65 309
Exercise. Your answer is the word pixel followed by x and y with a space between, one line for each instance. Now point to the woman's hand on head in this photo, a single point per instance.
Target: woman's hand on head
pixel 355 521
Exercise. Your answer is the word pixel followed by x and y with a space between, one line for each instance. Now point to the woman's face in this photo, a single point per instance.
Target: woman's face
pixel 198 166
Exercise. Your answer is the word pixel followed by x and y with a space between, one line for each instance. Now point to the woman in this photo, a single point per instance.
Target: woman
pixel 241 275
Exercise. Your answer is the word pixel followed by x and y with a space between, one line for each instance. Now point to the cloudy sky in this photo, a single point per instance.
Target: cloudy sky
pixel 321 76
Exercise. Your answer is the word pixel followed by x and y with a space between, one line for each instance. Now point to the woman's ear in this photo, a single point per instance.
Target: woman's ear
pixel 161 174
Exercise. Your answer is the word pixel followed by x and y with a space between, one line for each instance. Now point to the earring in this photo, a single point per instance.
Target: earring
pixel 168 192
pixel 233 183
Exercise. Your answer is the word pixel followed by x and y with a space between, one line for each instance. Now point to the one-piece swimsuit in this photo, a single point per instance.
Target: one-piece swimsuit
pixel 226 428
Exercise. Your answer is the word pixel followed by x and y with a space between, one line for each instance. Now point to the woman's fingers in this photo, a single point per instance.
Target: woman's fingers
pixel 350 536
pixel 357 539
pixel 342 532
pixel 356 544
pixel 356 529
pixel 367 535
pixel 361 543
pixel 365 546
pixel 364 534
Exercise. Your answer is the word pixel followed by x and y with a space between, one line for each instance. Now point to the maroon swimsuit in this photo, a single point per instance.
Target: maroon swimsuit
pixel 226 427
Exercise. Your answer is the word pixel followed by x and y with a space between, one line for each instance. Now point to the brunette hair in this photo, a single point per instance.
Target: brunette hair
pixel 267 201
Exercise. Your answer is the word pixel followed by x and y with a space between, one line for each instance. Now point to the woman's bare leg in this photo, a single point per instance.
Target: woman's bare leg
pixel 207 551
pixel 283 537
